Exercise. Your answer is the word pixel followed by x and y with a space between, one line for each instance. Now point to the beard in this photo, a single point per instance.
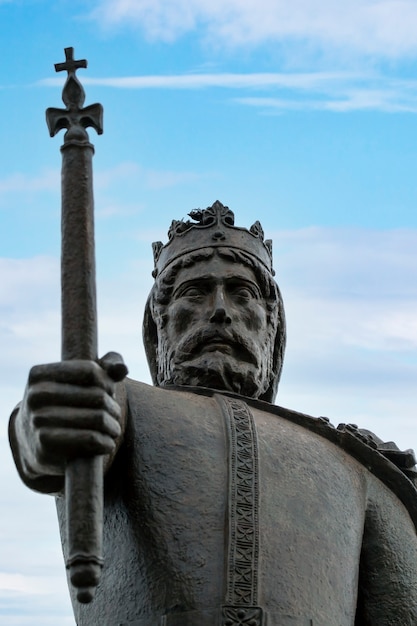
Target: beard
pixel 221 360
pixel 219 371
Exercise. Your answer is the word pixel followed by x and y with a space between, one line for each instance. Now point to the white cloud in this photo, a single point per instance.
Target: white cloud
pixel 23 280
pixel 117 209
pixel 385 28
pixel 325 91
pixel 304 81
pixel 50 180
pixel 128 174
pixel 24 584
pixel 153 179
pixel 45 619
pixel 47 180
pixel 351 100
pixel 350 299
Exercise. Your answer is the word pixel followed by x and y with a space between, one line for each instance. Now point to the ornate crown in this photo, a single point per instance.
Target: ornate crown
pixel 212 228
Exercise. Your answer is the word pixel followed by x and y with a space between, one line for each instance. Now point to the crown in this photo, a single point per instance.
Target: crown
pixel 211 228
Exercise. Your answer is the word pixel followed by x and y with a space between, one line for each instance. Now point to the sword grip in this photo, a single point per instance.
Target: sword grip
pixel 84 512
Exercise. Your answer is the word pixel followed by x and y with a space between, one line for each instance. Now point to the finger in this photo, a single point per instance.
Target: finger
pixel 113 364
pixel 62 395
pixel 76 372
pixel 57 444
pixel 73 418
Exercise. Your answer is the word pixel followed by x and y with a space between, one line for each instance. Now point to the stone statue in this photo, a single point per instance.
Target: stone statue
pixel 222 509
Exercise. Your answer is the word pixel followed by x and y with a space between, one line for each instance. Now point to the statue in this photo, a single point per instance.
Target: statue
pixel 220 508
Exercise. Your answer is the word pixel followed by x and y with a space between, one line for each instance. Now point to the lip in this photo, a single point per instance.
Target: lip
pixel 219 346
pixel 219 343
pixel 219 340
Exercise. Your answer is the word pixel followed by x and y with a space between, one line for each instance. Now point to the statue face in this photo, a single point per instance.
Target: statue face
pixel 215 333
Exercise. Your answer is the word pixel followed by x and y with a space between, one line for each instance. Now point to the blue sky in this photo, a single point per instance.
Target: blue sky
pixel 301 115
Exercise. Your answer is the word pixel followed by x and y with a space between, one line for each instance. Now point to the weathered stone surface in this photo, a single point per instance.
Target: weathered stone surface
pixel 220 508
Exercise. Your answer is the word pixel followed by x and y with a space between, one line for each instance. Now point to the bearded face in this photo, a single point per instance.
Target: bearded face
pixel 215 331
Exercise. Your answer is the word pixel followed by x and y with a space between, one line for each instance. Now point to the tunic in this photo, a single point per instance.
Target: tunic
pixel 226 511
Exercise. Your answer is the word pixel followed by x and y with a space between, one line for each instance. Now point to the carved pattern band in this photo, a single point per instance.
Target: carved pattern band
pixel 248 616
pixel 241 616
pixel 243 540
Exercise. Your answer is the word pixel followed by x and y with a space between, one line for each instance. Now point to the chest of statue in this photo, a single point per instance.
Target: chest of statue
pixel 220 514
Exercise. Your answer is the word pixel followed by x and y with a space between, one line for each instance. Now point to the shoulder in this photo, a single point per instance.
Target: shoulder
pixel 383 460
pixel 135 394
pixel 391 466
pixel 142 401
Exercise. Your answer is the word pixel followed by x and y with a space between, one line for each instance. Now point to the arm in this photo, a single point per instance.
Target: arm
pixel 69 409
pixel 388 568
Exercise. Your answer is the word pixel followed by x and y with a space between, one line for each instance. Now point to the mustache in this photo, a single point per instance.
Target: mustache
pixel 195 342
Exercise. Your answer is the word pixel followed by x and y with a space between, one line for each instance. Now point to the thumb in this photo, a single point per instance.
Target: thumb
pixel 113 364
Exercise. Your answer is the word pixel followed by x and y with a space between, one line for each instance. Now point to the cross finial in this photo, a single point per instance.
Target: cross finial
pixel 70 64
pixel 74 118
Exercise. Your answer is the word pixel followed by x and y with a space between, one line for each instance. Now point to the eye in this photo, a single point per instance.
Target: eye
pixel 244 292
pixel 190 292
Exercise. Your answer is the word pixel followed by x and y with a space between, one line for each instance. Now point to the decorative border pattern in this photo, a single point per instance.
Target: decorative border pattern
pixel 241 616
pixel 243 541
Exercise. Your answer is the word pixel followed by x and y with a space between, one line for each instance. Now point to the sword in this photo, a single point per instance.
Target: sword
pixel 83 476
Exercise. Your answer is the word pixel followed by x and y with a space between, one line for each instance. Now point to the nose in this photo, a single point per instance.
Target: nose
pixel 220 313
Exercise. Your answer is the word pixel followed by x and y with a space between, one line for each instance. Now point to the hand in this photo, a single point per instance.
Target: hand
pixel 69 411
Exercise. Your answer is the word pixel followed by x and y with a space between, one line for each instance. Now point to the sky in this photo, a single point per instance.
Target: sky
pixel 301 114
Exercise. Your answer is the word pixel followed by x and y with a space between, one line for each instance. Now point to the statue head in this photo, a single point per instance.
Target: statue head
pixel 215 316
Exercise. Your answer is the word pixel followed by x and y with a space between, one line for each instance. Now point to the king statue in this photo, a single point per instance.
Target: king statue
pixel 220 508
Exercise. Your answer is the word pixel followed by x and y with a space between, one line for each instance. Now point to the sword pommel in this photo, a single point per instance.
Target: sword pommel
pixel 74 117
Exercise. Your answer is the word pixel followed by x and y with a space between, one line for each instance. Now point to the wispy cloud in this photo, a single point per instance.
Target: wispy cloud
pixel 24 584
pixel 385 28
pixel 47 180
pixel 350 297
pixel 359 100
pixel 154 179
pixel 305 80
pixel 275 92
pixel 125 173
